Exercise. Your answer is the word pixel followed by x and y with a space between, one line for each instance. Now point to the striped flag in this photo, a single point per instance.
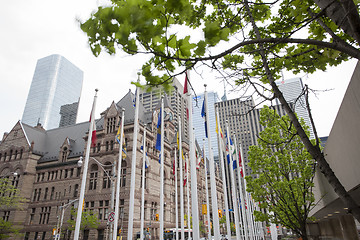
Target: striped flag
pixel 203 115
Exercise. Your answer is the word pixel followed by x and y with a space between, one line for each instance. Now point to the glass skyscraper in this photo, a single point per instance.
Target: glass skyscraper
pixel 56 82
pixel 198 123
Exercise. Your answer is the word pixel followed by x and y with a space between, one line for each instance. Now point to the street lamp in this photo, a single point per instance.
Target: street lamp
pixel 112 180
pixel 63 208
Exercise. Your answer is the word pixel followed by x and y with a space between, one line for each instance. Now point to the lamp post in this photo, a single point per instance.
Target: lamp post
pixel 112 180
pixel 63 208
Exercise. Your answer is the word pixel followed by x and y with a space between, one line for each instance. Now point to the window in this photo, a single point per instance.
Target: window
pixel 78 172
pixel 64 154
pixel 44 215
pixel 98 147
pixel 111 145
pixel 76 190
pixel 10 155
pixel 16 153
pixel 111 124
pixel 107 146
pixel 38 196
pixel 46 193
pixel 6 216
pixel 103 209
pixel 32 214
pixel 93 177
pixel 52 193
pixel 35 195
pixel 66 173
pixel 106 179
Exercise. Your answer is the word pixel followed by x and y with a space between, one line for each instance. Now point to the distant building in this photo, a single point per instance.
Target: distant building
pixel 178 103
pixel 292 89
pixel 68 113
pixel 198 122
pixel 56 82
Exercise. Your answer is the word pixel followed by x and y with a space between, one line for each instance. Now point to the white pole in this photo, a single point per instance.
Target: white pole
pixel 250 222
pixel 176 199
pixel 162 172
pixel 241 191
pixel 118 177
pixel 181 184
pixel 61 221
pixel 214 201
pixel 227 215
pixel 188 198
pixel 84 175
pixel 233 187
pixel 112 204
pixel 207 193
pixel 143 186
pixel 133 168
pixel 193 175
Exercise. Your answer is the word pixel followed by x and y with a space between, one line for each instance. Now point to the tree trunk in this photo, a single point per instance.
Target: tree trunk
pixel 315 151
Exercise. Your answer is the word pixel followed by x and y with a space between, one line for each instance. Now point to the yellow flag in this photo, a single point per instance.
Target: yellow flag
pixel 217 128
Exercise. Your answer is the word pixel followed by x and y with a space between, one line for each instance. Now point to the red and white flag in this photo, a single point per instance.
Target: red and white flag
pixel 93 134
pixel 186 83
pixel 240 165
pixel 185 174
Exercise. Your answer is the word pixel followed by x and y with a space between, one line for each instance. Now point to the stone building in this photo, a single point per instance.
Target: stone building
pixel 48 175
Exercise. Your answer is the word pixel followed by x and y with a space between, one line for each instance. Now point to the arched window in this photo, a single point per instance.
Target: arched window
pixel 107 146
pixel 111 145
pixel 4 156
pixel 64 154
pixel 93 177
pixel 16 153
pixel 21 153
pixel 106 180
pixel 98 147
pixel 10 155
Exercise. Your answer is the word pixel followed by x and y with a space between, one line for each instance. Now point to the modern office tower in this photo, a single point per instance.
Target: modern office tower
pixel 198 122
pixel 178 103
pixel 68 114
pixel 56 82
pixel 292 90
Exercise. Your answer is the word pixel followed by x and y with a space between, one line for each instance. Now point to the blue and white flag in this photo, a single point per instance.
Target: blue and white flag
pixel 203 115
pixel 147 162
pixel 158 136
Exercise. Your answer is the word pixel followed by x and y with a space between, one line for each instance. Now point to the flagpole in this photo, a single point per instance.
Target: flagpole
pixel 84 175
pixel 133 166
pixel 118 176
pixel 176 199
pixel 214 201
pixel 233 187
pixel 207 192
pixel 241 191
pixel 193 175
pixel 143 186
pixel 162 171
pixel 181 184
pixel 188 197
pixel 227 215
pixel 246 195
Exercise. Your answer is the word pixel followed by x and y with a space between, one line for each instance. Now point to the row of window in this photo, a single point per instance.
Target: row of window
pixel 37 195
pixel 58 174
pixel 13 155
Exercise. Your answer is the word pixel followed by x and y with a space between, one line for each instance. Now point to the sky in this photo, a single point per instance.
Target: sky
pixel 33 29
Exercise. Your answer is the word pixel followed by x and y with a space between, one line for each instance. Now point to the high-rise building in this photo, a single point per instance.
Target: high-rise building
pixel 198 122
pixel 56 82
pixel 292 89
pixel 178 103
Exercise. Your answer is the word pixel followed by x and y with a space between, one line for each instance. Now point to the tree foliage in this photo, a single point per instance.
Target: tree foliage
pixel 9 199
pixel 283 173
pixel 88 220
pixel 248 42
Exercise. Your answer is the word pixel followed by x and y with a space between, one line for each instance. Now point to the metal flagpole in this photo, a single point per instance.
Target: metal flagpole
pixel 241 191
pixel 246 195
pixel 188 198
pixel 193 175
pixel 227 215
pixel 207 192
pixel 84 175
pixel 143 186
pixel 176 199
pixel 161 215
pixel 133 167
pixel 181 184
pixel 214 201
pixel 118 176
pixel 233 187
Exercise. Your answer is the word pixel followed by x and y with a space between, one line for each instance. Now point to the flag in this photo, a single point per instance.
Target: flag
pixel 203 115
pixel 160 158
pixel 158 136
pixel 93 134
pixel 218 128
pixel 198 158
pixel 117 137
pixel 124 154
pixel 174 166
pixel 147 162
pixel 185 174
pixel 134 100
pixel 186 83
pixel 240 165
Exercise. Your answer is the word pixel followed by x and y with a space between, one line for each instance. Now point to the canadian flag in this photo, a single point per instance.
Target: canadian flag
pixel 93 134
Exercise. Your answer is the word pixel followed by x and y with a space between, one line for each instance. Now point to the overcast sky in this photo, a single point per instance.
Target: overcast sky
pixel 33 29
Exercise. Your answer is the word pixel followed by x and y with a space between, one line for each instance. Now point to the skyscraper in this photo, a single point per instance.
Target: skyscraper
pixel 198 122
pixel 292 90
pixel 56 82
